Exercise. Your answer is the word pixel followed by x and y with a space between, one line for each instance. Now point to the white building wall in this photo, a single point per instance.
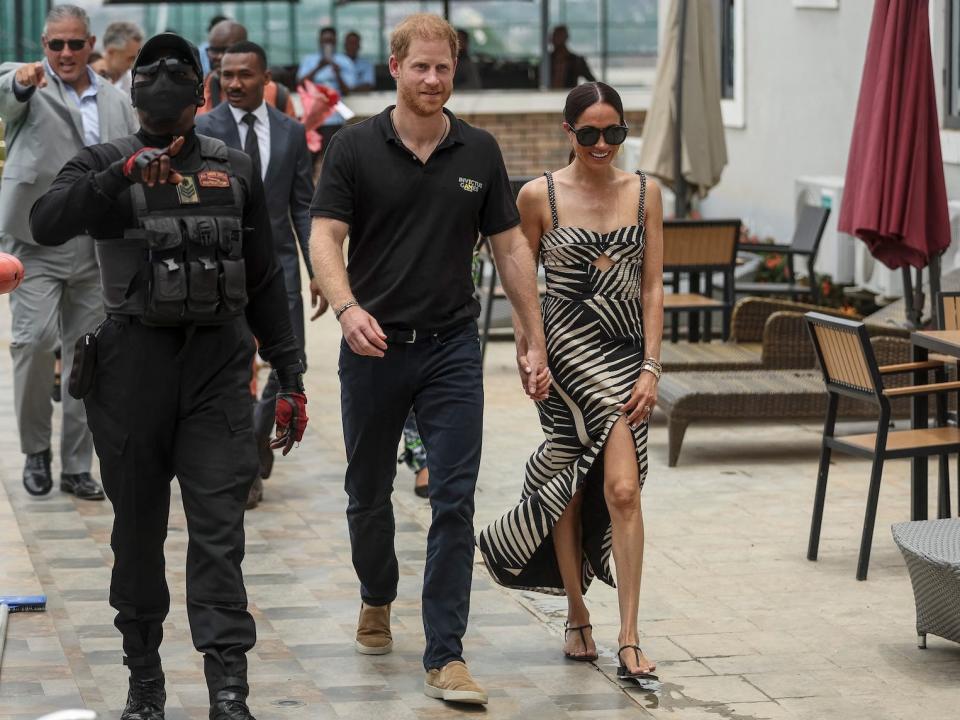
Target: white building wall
pixel 801 83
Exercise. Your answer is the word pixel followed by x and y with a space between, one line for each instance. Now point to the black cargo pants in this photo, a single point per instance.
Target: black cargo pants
pixel 170 402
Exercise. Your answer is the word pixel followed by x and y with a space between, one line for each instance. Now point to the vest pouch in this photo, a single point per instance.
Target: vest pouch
pixel 166 293
pixel 231 236
pixel 201 232
pixel 202 288
pixel 123 268
pixel 162 233
pixel 233 285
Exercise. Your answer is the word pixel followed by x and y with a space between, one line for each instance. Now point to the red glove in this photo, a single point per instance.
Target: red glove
pixel 151 164
pixel 291 407
pixel 291 420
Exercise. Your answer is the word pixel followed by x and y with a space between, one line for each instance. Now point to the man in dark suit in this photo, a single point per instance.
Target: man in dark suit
pixel 278 147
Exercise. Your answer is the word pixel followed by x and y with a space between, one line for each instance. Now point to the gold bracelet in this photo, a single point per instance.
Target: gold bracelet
pixel 649 367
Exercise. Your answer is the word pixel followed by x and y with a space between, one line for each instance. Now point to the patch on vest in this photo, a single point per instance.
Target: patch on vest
pixel 470 185
pixel 187 191
pixel 213 179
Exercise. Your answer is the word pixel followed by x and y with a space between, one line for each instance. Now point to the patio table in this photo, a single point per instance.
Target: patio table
pixel 944 342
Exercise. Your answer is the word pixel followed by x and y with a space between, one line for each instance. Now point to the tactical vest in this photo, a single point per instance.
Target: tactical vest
pixel 182 262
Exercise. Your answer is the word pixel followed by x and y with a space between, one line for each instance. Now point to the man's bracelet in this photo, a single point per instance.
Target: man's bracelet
pixel 343 308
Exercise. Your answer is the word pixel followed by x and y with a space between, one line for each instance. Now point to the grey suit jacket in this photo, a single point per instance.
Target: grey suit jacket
pixel 289 179
pixel 42 134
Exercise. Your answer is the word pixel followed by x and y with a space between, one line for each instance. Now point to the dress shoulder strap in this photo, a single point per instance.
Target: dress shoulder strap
pixel 552 196
pixel 641 210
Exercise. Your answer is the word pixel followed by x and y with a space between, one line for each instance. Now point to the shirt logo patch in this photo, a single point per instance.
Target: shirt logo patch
pixel 471 185
pixel 187 191
pixel 213 179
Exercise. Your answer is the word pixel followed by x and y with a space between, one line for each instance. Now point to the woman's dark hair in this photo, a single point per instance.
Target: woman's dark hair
pixel 585 95
pixel 591 93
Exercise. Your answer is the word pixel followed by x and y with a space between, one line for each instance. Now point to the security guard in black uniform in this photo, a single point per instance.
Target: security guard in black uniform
pixel 188 270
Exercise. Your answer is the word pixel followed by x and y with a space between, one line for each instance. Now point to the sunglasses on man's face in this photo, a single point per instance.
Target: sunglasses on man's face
pixel 178 70
pixel 589 135
pixel 74 44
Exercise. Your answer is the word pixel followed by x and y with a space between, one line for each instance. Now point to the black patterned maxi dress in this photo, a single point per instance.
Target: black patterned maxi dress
pixel 594 329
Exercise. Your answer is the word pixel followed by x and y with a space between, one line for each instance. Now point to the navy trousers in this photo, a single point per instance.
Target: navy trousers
pixel 442 379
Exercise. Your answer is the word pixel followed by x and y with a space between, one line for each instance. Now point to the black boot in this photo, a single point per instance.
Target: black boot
pixel 230 704
pixel 145 699
pixel 37 478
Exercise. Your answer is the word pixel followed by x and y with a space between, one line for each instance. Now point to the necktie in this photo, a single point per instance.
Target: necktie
pixel 251 145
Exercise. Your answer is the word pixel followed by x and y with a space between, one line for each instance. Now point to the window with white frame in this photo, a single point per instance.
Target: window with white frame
pixel 726 40
pixel 730 41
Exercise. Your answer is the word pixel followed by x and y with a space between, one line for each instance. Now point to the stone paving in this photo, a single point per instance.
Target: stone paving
pixel 742 625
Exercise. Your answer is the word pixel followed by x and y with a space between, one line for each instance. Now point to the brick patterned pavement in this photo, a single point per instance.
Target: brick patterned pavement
pixel 742 626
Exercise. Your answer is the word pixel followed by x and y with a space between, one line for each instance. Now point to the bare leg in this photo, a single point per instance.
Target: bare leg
pixel 621 489
pixel 567 544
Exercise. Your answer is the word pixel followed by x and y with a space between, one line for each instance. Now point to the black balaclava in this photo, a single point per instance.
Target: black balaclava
pixel 167 96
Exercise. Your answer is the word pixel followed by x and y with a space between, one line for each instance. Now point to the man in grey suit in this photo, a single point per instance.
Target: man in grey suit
pixel 52 109
pixel 278 147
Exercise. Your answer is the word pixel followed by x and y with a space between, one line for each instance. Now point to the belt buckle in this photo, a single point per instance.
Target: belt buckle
pixel 413 337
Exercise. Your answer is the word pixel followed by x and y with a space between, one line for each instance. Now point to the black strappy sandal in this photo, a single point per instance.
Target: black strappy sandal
pixel 622 671
pixel 583 638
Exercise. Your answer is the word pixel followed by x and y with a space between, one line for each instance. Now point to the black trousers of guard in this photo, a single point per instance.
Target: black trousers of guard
pixel 174 402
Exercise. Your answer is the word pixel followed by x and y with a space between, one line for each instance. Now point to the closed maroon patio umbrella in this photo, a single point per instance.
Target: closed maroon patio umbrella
pixel 895 198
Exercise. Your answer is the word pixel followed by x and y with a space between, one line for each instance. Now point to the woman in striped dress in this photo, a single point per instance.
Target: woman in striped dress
pixel 598 232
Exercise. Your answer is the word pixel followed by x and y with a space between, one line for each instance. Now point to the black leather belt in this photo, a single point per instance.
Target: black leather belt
pixel 408 336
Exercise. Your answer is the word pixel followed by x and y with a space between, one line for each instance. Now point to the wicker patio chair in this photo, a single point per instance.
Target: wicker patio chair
pixel 693 248
pixel 765 333
pixel 850 369
pixel 931 549
pixel 805 244
pixel 768 395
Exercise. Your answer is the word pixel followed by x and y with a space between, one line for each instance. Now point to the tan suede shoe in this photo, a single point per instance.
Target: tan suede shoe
pixel 454 683
pixel 373 630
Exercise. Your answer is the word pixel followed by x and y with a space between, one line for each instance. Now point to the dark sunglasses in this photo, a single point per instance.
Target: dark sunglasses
pixel 589 135
pixel 74 44
pixel 177 69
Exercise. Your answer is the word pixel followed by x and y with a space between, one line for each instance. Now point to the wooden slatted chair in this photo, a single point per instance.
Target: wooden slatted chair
pixel 849 368
pixel 950 311
pixel 805 244
pixel 692 248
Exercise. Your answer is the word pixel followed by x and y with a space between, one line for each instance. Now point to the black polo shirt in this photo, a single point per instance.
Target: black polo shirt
pixel 413 226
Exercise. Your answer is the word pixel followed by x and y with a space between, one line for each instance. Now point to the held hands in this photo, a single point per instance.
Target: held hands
pixel 362 332
pixel 317 300
pixel 31 75
pixel 534 373
pixel 151 166
pixel 291 413
pixel 643 398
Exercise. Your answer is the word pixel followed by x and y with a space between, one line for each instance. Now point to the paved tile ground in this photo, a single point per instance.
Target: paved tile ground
pixel 743 627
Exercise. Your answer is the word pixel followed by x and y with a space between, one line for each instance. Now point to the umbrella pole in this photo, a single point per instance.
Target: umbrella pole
pixel 908 297
pixel 680 183
pixel 934 270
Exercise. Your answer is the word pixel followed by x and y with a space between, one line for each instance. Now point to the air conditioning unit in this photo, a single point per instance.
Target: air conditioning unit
pixel 836 257
pixel 877 277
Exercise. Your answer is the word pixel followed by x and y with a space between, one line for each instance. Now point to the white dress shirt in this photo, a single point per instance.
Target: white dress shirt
pixel 261 127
